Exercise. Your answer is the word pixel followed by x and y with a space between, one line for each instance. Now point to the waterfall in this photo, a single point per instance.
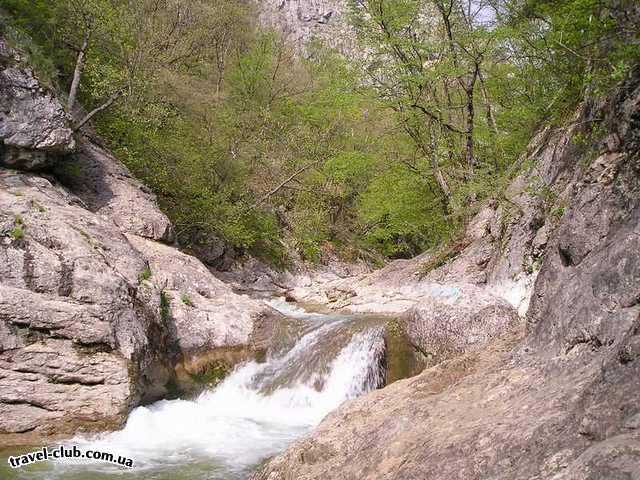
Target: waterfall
pixel 257 410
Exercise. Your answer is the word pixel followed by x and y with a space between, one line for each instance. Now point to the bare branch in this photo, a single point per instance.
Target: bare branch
pixel 283 184
pixel 77 73
pixel 99 109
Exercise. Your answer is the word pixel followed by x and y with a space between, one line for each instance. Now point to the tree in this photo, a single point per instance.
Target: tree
pixel 83 26
pixel 427 59
pixel 120 47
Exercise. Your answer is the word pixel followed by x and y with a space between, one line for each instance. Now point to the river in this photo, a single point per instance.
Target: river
pixel 256 412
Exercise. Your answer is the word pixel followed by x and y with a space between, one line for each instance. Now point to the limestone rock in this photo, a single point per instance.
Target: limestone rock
pixel 86 334
pixel 34 127
pixel 302 21
pixel 453 319
pixel 80 344
pixel 108 189
pixel 206 314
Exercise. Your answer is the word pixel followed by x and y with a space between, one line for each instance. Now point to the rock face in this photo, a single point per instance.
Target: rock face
pixel 108 189
pixel 212 326
pixel 453 320
pixel 564 403
pixel 84 335
pixel 95 316
pixel 74 321
pixel 302 21
pixel 33 126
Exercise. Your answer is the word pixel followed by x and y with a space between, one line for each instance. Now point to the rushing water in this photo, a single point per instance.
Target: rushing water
pixel 255 413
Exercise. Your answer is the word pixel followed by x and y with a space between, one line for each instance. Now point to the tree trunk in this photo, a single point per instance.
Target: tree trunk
pixel 491 120
pixel 77 73
pixel 440 179
pixel 430 152
pixel 469 153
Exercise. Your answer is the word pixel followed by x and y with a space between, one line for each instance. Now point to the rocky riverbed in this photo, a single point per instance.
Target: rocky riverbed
pixel 527 329
pixel 559 400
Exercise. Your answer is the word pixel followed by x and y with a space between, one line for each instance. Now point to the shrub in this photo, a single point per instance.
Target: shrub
pixel 144 274
pixel 186 300
pixel 165 306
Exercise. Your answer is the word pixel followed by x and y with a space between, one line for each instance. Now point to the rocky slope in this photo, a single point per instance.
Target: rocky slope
pixel 564 402
pixel 96 316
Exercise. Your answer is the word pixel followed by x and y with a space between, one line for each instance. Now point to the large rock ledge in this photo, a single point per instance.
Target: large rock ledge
pixel 34 127
pixel 108 189
pixel 564 403
pixel 214 328
pixel 453 320
pixel 94 322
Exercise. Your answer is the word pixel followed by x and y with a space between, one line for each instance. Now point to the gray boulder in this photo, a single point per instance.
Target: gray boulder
pixel 455 319
pixel 213 326
pixel 34 128
pixel 108 189
pixel 74 321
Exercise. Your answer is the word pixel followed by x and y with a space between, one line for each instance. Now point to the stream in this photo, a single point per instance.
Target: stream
pixel 256 412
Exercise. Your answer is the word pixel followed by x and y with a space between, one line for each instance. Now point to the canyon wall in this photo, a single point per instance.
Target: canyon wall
pixel 559 399
pixel 99 311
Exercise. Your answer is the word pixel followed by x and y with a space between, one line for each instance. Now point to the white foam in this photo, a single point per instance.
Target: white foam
pixel 290 309
pixel 236 425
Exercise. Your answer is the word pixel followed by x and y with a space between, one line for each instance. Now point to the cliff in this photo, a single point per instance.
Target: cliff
pixel 302 22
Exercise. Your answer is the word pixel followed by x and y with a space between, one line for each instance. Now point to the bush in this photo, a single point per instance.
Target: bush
pixel 186 300
pixel 144 274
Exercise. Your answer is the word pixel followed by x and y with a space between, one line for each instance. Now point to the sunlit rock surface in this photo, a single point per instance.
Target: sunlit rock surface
pixel 34 128
pixel 561 404
pixel 301 22
pixel 94 322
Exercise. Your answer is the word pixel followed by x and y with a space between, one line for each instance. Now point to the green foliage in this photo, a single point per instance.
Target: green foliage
pixel 165 306
pixel 574 48
pixel 212 374
pixel 144 274
pixel 401 214
pixel 557 212
pixel 17 232
pixel 37 58
pixel 244 141
pixel 186 299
